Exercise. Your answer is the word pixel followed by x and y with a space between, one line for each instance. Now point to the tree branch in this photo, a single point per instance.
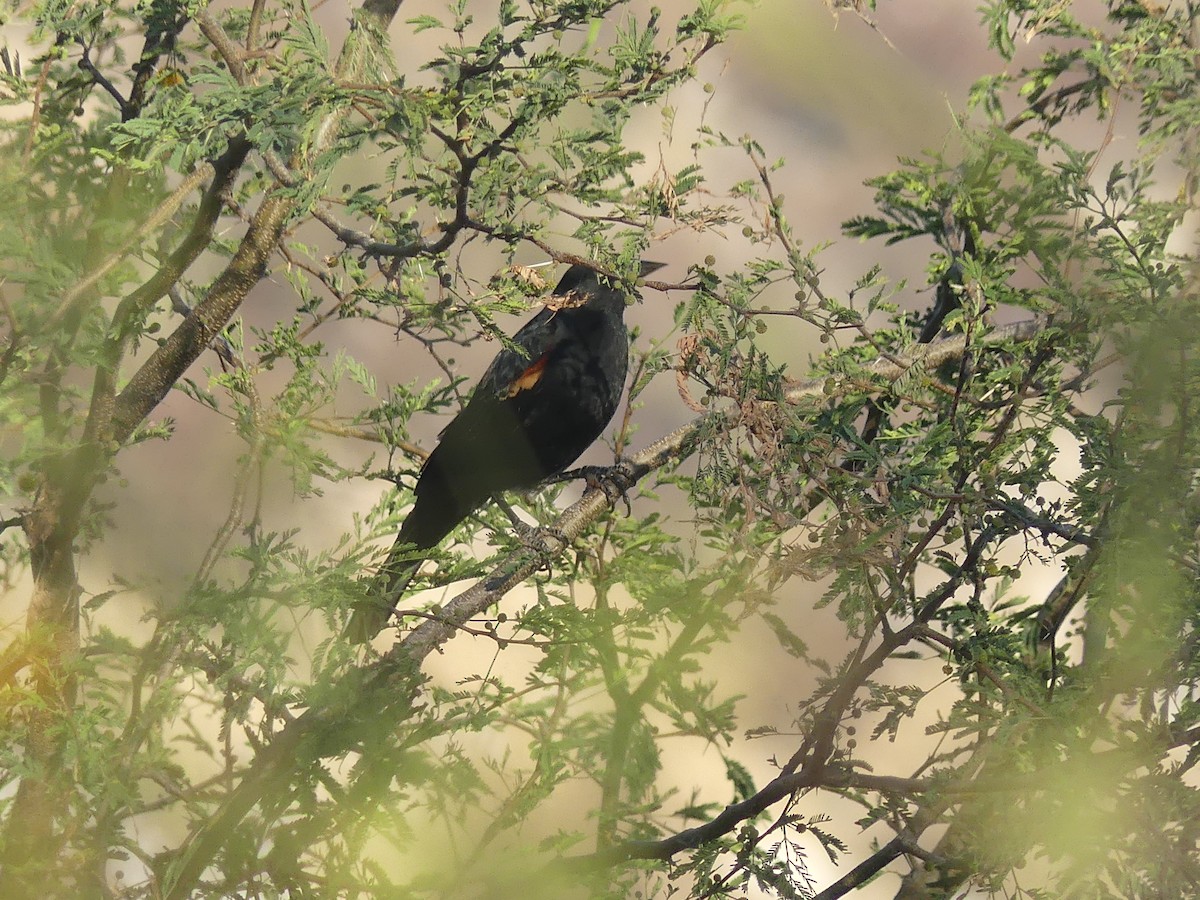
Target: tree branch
pixel 167 364
pixel 157 218
pixel 864 871
pixel 135 305
pixel 384 690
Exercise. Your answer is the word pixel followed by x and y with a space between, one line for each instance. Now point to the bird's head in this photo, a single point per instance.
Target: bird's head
pixel 586 283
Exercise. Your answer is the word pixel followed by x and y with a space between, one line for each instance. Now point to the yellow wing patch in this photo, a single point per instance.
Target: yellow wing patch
pixel 527 379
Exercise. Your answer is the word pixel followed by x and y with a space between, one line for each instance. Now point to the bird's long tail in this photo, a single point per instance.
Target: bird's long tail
pixel 434 515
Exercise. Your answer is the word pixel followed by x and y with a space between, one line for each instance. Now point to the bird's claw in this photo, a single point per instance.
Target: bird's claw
pixel 541 539
pixel 615 481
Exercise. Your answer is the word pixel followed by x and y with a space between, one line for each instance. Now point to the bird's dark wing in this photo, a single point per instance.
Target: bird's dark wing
pixel 486 448
pixel 483 450
pixel 510 375
pixel 512 372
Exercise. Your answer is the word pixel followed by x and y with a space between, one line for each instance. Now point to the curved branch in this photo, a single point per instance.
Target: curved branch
pixel 151 383
pixel 137 303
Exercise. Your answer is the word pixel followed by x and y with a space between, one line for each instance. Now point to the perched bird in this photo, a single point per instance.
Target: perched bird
pixel 532 415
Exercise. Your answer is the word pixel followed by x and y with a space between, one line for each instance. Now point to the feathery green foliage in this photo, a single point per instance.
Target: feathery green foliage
pixel 209 211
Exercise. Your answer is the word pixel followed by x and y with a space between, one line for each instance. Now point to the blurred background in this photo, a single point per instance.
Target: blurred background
pixel 840 98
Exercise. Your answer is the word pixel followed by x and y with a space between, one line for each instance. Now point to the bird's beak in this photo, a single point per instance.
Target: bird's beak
pixel 649 267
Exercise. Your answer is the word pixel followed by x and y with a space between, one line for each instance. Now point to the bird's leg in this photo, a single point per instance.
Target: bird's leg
pixel 535 537
pixel 520 527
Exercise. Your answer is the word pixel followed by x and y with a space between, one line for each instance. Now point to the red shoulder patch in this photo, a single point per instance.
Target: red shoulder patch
pixel 527 379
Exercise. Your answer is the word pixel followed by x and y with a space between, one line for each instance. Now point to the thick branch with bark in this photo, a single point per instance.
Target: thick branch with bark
pixel 52 527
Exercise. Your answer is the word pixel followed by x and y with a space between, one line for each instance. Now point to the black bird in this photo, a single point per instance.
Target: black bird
pixel 532 415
